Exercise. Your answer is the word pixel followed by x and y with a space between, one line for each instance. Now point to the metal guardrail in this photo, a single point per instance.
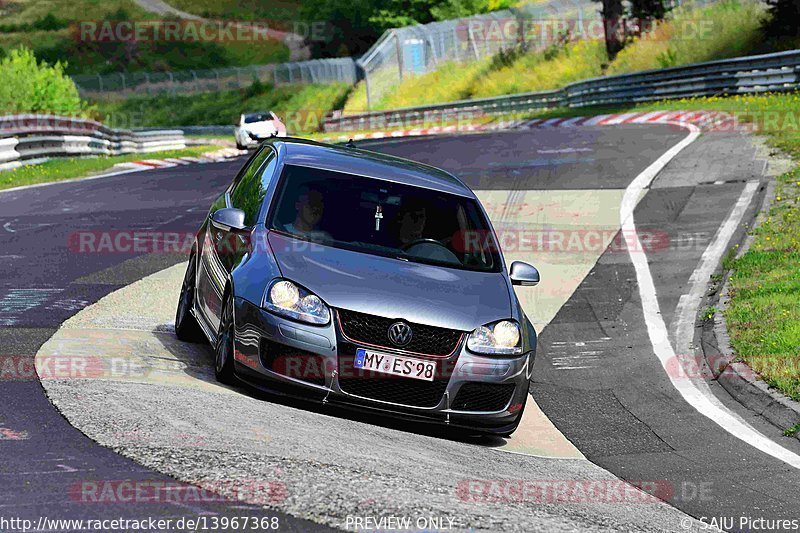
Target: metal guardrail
pixel 744 75
pixel 26 137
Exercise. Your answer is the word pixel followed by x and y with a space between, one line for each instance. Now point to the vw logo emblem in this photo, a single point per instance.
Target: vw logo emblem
pixel 400 333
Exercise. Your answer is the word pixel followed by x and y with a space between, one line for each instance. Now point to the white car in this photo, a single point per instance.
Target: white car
pixel 256 127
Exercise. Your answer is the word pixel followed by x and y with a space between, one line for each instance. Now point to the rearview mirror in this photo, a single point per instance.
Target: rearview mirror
pixel 229 219
pixel 523 274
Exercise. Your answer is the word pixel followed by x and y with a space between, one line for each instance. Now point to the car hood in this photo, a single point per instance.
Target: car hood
pixel 425 294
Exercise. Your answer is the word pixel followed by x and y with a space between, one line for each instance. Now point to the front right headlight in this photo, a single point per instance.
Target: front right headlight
pixel 290 300
pixel 499 338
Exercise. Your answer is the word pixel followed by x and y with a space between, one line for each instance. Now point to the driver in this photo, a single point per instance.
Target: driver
pixel 411 222
pixel 310 206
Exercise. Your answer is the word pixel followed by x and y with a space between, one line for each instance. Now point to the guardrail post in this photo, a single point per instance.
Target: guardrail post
pixel 366 86
pixel 399 52
pixel 122 77
pixel 99 83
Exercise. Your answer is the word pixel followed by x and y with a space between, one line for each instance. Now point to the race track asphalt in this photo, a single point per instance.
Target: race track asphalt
pixel 620 412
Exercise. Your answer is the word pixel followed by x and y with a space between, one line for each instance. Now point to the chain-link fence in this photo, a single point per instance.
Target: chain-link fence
pixel 413 50
pixel 193 81
pixel 403 52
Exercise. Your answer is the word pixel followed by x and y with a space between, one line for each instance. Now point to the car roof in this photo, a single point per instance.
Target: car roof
pixel 370 164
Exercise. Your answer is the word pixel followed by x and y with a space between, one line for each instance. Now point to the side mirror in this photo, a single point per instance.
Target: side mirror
pixel 523 274
pixel 229 219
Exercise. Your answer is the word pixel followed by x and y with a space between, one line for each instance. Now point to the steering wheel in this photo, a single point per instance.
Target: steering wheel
pixel 431 249
pixel 424 241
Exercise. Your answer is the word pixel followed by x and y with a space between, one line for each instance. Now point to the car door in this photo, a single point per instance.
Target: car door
pixel 222 250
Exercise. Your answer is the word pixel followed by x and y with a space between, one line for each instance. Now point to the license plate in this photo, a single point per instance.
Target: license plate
pixel 395 365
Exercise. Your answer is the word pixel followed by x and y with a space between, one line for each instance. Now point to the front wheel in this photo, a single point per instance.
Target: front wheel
pixel 186 327
pixel 223 361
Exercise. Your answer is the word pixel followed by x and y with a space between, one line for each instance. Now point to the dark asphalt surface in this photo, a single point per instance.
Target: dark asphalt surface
pixel 45 281
pixel 623 413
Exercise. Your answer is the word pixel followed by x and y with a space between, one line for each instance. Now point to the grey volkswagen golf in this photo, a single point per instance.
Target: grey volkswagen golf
pixel 351 277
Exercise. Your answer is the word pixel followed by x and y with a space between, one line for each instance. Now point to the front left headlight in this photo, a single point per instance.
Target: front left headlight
pixel 290 300
pixel 499 338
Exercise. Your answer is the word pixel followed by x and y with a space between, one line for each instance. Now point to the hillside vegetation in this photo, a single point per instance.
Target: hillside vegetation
pixel 51 28
pixel 726 29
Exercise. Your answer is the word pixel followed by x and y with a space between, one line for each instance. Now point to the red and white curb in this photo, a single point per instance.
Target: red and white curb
pixel 705 120
pixel 209 157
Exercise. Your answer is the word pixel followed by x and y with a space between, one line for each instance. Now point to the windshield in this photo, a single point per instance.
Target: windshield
pixel 384 218
pixel 257 117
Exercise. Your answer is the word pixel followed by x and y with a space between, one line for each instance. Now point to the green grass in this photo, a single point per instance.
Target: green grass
pixel 708 313
pixel 792 431
pixel 78 167
pixel 301 107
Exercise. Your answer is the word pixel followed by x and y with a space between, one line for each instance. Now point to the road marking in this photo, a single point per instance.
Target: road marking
pixel 656 327
pixel 689 303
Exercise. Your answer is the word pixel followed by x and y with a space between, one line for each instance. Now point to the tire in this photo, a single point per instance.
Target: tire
pixel 186 327
pixel 223 352
pixel 240 147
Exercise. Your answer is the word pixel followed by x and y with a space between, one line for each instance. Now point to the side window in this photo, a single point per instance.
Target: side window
pixel 249 193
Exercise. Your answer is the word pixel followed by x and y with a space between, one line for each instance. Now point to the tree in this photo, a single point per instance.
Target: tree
pixel 648 9
pixel 614 24
pixel 785 18
pixel 353 26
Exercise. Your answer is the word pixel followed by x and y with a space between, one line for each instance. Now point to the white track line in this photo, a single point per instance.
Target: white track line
pixel 657 329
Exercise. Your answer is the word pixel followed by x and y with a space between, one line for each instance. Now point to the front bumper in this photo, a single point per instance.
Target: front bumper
pixel 315 362
pixel 255 140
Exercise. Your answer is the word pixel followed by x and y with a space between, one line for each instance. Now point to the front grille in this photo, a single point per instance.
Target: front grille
pixel 396 390
pixel 293 363
pixel 483 396
pixel 370 329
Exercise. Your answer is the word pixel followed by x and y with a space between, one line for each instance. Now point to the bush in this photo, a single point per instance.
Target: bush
pixel 31 86
pixel 538 71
